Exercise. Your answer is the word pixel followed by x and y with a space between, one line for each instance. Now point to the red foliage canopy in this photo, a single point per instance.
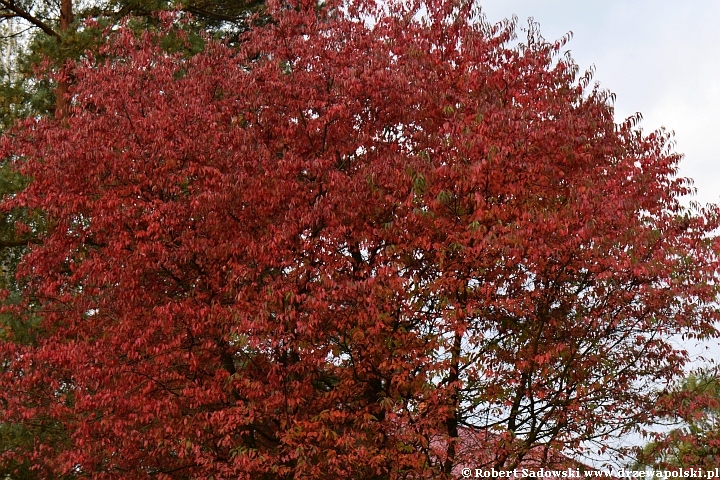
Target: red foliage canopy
pixel 321 254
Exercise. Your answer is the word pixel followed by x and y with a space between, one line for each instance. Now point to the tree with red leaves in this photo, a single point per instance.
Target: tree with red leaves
pixel 365 234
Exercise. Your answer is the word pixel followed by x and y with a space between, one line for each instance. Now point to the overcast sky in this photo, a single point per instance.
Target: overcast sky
pixel 661 58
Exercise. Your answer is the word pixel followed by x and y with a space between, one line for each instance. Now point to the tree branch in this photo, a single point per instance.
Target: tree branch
pixel 23 242
pixel 16 12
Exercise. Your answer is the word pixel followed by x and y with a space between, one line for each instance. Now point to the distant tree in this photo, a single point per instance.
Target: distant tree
pixel 328 252
pixel 695 443
pixel 10 90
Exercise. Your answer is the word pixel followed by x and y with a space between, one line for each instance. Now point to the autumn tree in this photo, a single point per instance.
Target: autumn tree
pixel 363 237
pixel 37 40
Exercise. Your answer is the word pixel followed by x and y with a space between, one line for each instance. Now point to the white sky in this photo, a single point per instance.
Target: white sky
pixel 661 58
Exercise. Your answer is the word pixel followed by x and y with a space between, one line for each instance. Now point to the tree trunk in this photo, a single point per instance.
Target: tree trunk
pixel 61 92
pixel 451 422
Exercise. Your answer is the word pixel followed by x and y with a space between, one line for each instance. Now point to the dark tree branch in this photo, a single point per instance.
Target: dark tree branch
pixel 17 12
pixel 21 242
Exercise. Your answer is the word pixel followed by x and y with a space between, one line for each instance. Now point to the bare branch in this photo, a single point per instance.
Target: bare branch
pixel 17 12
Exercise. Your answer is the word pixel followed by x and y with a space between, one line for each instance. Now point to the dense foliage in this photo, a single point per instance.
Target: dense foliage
pixel 45 34
pixel 329 251
pixel 38 41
